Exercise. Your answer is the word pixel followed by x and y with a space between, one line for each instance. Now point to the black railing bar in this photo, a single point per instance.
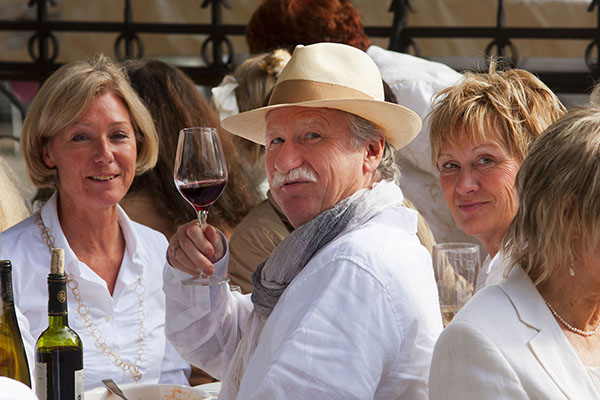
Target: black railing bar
pixel 140 27
pixel 119 27
pixel 24 70
pixel 491 32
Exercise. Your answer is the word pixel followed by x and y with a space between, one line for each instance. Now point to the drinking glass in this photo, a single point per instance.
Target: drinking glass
pixel 456 266
pixel 200 175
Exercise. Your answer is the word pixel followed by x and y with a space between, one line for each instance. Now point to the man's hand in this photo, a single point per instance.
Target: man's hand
pixel 194 250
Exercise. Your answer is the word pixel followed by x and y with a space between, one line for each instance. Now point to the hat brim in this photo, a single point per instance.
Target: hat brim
pixel 400 124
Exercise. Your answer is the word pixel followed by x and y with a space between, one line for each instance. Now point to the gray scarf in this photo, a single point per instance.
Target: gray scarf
pixel 274 275
pixel 289 258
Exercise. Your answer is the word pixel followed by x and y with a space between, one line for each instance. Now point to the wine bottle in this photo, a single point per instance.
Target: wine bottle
pixel 58 352
pixel 13 361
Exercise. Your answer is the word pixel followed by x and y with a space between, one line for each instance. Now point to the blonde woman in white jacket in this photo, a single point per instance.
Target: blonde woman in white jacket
pixel 535 336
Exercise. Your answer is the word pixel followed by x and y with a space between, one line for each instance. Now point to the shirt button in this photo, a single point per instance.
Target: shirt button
pixel 108 318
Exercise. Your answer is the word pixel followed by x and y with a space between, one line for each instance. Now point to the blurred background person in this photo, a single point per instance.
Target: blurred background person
pixel 250 87
pixel 481 130
pixel 175 103
pixel 413 80
pixel 13 208
pixel 535 335
pixel 86 135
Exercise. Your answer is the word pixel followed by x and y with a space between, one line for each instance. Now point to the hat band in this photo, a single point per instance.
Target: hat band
pixel 302 90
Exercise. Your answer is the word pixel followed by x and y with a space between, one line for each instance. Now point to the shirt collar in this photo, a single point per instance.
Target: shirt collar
pixel 49 214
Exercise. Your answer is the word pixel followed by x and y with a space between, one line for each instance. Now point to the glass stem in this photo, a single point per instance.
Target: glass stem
pixel 202 215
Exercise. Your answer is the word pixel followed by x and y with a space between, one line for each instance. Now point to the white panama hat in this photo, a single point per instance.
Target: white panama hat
pixel 331 75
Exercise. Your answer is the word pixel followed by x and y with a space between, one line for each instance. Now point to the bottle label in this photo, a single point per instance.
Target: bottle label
pixel 41 380
pixel 79 388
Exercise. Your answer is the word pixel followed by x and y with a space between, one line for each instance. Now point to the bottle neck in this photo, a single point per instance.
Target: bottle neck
pixel 58 321
pixel 6 291
pixel 57 298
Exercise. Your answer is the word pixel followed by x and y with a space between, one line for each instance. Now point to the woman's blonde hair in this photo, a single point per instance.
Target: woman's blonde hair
pixel 64 98
pixel 510 107
pixel 558 187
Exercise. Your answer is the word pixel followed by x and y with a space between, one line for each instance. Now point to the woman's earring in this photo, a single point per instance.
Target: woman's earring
pixel 572 267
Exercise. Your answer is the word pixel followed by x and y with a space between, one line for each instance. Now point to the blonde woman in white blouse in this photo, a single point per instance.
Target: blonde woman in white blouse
pixel 536 334
pixel 86 135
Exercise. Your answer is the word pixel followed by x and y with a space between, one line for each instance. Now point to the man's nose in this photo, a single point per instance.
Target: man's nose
pixel 288 157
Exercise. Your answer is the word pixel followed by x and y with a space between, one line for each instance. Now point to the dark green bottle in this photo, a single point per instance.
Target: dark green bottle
pixel 58 352
pixel 13 361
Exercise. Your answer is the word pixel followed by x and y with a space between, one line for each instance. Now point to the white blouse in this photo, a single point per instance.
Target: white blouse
pixel 115 316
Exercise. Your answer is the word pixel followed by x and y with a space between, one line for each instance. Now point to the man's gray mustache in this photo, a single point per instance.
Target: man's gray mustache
pixel 300 173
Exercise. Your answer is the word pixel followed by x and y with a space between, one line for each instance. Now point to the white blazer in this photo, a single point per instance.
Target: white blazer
pixel 505 344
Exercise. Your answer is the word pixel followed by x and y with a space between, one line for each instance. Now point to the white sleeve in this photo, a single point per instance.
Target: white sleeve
pixel 204 324
pixel 467 365
pixel 174 369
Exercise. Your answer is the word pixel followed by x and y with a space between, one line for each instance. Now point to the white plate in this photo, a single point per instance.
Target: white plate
pixel 214 388
pixel 150 392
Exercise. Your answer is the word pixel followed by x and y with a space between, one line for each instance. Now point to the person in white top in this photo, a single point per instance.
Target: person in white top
pixel 414 81
pixel 536 335
pixel 481 130
pixel 11 389
pixel 87 134
pixel 346 306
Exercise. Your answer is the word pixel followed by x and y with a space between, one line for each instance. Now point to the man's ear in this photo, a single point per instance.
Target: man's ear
pixel 47 157
pixel 373 155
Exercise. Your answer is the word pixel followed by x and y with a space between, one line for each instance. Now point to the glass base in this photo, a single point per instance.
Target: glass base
pixel 206 280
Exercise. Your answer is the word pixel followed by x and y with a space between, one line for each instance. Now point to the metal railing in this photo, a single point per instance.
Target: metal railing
pixel 217 50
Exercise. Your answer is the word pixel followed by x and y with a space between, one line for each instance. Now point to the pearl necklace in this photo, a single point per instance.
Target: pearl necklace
pixel 571 327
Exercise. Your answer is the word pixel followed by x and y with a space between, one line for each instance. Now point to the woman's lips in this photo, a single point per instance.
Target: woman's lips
pixel 467 207
pixel 103 178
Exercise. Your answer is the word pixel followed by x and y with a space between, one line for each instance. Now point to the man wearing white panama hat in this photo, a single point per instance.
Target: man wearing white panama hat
pixel 346 306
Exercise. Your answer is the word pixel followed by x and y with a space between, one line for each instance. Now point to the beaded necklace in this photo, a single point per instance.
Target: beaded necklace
pixel 571 327
pixel 133 368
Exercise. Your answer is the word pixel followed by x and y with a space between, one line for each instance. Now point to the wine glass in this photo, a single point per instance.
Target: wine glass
pixel 456 266
pixel 200 175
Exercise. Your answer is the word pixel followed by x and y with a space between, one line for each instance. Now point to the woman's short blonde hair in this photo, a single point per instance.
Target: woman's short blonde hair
pixel 63 99
pixel 510 107
pixel 558 186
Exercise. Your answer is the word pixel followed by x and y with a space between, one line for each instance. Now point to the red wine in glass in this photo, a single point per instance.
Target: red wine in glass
pixel 202 194
pixel 200 175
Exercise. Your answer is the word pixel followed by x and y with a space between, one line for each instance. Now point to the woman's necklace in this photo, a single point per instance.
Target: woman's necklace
pixel 571 327
pixel 133 368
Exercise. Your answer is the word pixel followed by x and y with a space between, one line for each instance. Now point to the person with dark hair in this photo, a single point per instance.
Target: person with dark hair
pixel 175 103
pixel 413 80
